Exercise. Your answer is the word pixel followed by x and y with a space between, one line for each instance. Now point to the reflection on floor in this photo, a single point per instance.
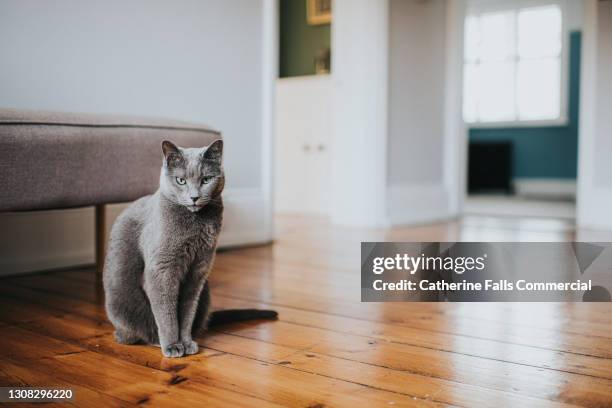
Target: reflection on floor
pixel 327 349
pixel 503 205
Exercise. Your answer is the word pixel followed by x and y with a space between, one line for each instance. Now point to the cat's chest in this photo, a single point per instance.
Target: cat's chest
pixel 192 237
pixel 190 240
pixel 181 239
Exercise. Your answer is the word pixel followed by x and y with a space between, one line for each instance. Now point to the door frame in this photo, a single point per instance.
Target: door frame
pixel 585 191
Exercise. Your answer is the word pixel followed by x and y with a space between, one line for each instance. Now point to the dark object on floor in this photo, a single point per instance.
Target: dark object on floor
pixel 220 317
pixel 490 167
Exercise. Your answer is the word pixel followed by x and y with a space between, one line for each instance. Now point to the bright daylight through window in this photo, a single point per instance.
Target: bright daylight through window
pixel 513 65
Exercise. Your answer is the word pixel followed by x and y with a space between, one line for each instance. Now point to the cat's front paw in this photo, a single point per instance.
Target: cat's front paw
pixel 173 350
pixel 191 347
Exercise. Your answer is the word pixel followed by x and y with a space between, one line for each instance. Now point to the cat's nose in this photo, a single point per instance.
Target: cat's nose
pixel 194 199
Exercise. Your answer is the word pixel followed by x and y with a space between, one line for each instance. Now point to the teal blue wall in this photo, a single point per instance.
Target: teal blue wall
pixel 545 152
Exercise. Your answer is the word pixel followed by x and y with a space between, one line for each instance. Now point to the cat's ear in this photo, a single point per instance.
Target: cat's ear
pixel 172 154
pixel 214 152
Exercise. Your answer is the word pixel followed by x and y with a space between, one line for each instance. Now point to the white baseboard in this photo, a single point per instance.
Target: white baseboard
pixel 41 240
pixel 247 218
pixel 417 204
pixel 547 188
pixel 44 261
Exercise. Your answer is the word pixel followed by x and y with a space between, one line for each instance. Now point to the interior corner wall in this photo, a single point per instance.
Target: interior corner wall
pixel 417 52
pixel 417 191
pixel 192 60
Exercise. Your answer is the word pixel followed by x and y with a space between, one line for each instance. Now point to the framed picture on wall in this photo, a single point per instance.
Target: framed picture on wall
pixel 318 11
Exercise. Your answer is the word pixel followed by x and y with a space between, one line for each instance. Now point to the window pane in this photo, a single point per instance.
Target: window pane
pixel 470 93
pixel 472 38
pixel 496 91
pixel 538 89
pixel 497 36
pixel 539 32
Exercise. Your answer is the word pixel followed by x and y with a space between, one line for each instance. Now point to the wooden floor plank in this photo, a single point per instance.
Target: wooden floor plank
pixel 95 334
pixel 492 374
pixel 86 331
pixel 92 370
pixel 555 316
pixel 301 336
pixel 203 370
pixel 409 316
pixel 327 349
pixel 585 342
pixel 512 353
pixel 307 280
pixel 21 374
pixel 425 387
pixel 261 261
pixel 534 356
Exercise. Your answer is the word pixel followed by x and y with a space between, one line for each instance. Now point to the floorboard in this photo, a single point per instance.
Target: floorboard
pixel 327 348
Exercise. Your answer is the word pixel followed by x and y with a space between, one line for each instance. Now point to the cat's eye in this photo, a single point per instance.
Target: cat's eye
pixel 206 180
pixel 180 181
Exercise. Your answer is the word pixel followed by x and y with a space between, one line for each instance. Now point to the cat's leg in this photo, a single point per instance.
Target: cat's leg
pixel 124 336
pixel 188 305
pixel 162 288
pixel 200 320
pixel 127 306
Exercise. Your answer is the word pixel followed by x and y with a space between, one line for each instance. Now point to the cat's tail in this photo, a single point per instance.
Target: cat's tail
pixel 220 317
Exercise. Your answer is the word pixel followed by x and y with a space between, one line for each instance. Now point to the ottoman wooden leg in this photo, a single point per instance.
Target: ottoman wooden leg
pixel 100 239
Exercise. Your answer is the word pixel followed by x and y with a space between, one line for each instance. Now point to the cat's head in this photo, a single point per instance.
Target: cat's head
pixel 191 177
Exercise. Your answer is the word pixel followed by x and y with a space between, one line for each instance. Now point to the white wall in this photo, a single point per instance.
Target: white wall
pixel 359 111
pixel 416 96
pixel 603 141
pixel 394 150
pixel 199 60
pixel 424 106
pixel 594 195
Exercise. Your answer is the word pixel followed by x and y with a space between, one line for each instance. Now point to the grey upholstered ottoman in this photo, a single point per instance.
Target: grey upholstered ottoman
pixel 60 160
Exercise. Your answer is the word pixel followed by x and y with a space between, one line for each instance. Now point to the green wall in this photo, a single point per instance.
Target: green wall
pixel 545 152
pixel 299 42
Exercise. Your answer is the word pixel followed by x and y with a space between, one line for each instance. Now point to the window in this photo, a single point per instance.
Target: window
pixel 513 65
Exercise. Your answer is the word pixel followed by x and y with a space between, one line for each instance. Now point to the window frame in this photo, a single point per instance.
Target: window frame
pixel 478 7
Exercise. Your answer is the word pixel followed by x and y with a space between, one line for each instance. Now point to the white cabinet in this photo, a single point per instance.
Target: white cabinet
pixel 302 157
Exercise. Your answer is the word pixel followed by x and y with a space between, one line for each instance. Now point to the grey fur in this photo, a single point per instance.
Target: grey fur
pixel 161 250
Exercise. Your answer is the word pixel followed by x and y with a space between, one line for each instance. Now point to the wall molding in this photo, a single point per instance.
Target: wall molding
pixel 45 260
pixel 263 211
pixel 246 217
pixel 551 188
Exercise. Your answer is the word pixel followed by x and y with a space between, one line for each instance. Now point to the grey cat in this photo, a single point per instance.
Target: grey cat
pixel 161 251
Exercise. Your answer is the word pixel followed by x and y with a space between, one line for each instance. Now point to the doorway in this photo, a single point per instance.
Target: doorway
pixel 521 69
pixel 303 108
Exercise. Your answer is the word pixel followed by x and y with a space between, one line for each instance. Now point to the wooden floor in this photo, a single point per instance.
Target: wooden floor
pixel 327 349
